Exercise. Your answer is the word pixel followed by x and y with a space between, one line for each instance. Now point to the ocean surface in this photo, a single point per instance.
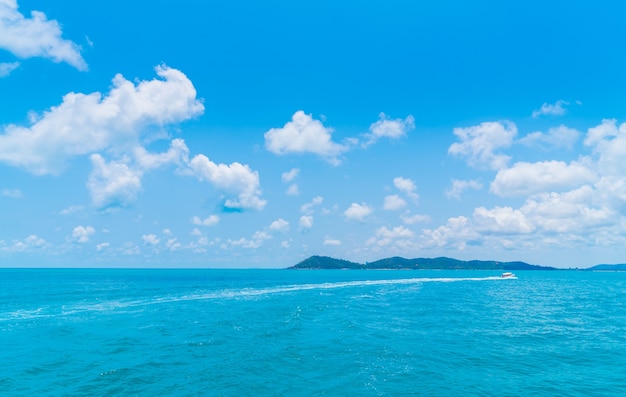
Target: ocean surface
pixel 106 332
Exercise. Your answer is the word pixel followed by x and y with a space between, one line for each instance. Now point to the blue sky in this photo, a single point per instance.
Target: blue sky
pixel 242 134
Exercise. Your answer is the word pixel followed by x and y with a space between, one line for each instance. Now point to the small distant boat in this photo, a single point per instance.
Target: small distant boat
pixel 508 275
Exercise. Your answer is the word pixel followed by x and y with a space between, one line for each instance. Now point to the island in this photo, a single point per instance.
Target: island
pixel 398 263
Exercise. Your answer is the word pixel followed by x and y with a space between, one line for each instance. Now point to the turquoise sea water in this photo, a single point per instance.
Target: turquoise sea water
pixel 311 333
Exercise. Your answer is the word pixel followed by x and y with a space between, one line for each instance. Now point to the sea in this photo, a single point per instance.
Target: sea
pixel 208 332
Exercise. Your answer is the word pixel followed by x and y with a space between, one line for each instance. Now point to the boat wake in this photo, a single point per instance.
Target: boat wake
pixel 124 306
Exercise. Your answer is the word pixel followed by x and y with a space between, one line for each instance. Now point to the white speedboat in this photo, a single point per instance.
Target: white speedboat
pixel 508 275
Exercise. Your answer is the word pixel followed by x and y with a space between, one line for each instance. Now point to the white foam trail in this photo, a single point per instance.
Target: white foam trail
pixel 118 306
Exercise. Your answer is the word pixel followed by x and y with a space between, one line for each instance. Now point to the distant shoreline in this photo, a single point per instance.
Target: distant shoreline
pixel 317 262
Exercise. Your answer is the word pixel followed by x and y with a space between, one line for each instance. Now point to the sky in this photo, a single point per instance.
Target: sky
pixel 247 134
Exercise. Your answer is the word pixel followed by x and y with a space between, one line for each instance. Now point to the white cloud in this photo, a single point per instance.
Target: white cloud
pixel 112 184
pixel 178 153
pixel 393 129
pixel 235 178
pixel 255 242
pixel 406 186
pixel 504 220
pixel 569 212
pixel 306 222
pixel 293 190
pixel 459 186
pixel 36 36
pixel 560 136
pixel 150 239
pixel 599 134
pixel 30 242
pixel 413 219
pixel 358 212
pixel 608 142
pixel 102 246
pixel 211 220
pixel 303 134
pixel 13 193
pixel 81 234
pixel 71 210
pixel 393 203
pixel 279 225
pixel 308 207
pixel 558 219
pixel 332 241
pixel 117 183
pixel 290 175
pixel 479 144
pixel 456 233
pixel 399 235
pixel 7 67
pixel 555 109
pixel 527 178
pixel 396 232
pixel 87 123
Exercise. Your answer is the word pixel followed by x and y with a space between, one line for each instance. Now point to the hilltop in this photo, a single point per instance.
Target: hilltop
pixel 441 263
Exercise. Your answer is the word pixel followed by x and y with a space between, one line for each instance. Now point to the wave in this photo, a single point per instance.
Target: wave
pixel 123 306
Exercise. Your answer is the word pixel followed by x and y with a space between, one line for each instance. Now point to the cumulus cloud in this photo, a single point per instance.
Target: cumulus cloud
pixel 88 123
pixel 178 153
pixel 235 178
pixel 545 218
pixel 36 36
pixel 308 207
pixel 30 242
pixel 524 179
pixel 81 234
pixel 211 220
pixel 358 212
pixel 255 242
pixel 608 143
pixel 279 225
pixel 290 175
pixel 7 67
pixel 560 136
pixel 387 128
pixel 565 204
pixel 555 109
pixel 459 186
pixel 406 186
pixel 112 184
pixel 150 239
pixel 456 233
pixel 569 212
pixel 303 134
pixel 102 246
pixel 480 144
pixel 398 235
pixel 117 183
pixel 306 222
pixel 394 203
pixel 504 220
pixel 332 241
pixel 411 219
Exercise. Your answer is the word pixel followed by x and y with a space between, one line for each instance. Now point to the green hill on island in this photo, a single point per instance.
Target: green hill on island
pixel 398 263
